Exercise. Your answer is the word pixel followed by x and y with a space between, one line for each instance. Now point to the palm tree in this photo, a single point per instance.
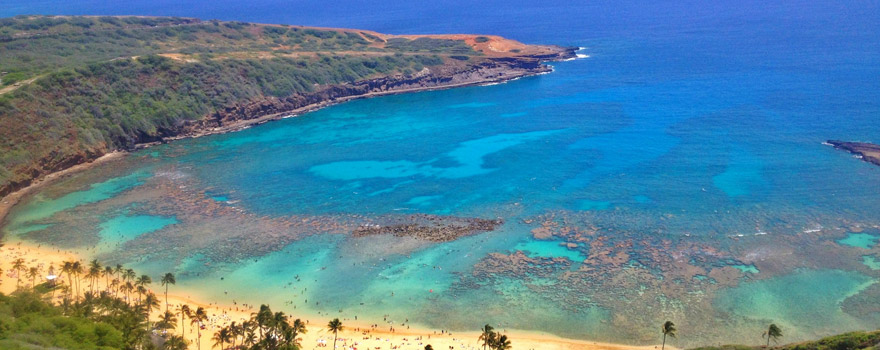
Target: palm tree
pixel 129 275
pixel 487 336
pixel 250 336
pixel 67 268
pixel 142 283
pixel 263 317
pixel 298 327
pixel 76 269
pixel 166 280
pixel 114 284
pixel 429 347
pixel 151 302
pixel 668 329
pixel 141 290
pixel 94 273
pixel 334 326
pixel 167 321
pixel 772 332
pixel 196 320
pixel 234 331
pixel 32 273
pixel 501 343
pixel 221 337
pixel 174 342
pixel 127 288
pixel 184 313
pixel 279 323
pixel 18 265
pixel 108 272
pixel 119 270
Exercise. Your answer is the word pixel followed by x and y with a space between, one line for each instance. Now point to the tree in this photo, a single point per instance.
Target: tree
pixel 263 318
pixel 488 336
pixel 93 274
pixel 18 265
pixel 773 332
pixel 221 337
pixel 175 342
pixel 668 329
pixel 33 273
pixel 335 326
pixel 429 347
pixel 501 342
pixel 185 312
pixel 108 272
pixel 151 302
pixel 167 321
pixel 250 335
pixel 143 281
pixel 298 327
pixel 166 280
pixel 196 320
pixel 67 268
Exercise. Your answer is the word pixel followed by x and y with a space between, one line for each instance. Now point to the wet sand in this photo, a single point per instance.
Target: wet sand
pixel 357 334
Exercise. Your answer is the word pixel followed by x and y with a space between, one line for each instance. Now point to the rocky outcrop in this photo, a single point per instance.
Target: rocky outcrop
pixel 488 70
pixel 868 152
pixel 426 227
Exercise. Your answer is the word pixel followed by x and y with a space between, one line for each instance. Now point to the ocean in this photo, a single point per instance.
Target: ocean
pixel 676 170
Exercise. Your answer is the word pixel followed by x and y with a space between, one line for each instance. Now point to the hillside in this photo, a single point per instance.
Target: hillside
pixel 845 341
pixel 75 88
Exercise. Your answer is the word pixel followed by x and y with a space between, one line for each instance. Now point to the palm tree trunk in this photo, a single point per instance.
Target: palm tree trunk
pixel 334 340
pixel 664 342
pixel 166 297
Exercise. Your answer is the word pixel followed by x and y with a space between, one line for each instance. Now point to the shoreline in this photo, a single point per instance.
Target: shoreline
pixel 10 200
pixel 357 334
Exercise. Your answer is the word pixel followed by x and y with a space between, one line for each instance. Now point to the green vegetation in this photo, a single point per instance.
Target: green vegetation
pixel 668 330
pixel 430 45
pixel 110 317
pixel 493 340
pixel 773 332
pixel 334 326
pixel 27 321
pixel 108 83
pixel 846 341
pixel 104 314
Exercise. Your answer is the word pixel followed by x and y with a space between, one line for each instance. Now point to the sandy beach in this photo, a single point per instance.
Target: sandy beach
pixel 357 335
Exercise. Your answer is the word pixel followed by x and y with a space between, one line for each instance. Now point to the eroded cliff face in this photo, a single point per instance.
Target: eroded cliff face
pixel 453 75
pixel 478 70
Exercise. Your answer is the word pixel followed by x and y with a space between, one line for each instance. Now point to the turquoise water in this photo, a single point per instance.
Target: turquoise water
pixel 871 262
pixel 860 240
pixel 677 173
pixel 819 297
pixel 747 268
pixel 120 229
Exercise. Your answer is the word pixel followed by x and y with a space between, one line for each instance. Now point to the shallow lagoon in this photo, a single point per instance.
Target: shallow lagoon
pixel 686 171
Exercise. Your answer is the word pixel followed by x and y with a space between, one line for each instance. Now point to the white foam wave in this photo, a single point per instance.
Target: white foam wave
pixel 580 55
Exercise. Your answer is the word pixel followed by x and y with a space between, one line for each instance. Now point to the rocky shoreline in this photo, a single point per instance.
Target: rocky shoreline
pixel 486 70
pixel 868 152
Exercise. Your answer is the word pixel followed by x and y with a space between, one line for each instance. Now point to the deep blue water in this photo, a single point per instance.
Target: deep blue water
pixel 689 119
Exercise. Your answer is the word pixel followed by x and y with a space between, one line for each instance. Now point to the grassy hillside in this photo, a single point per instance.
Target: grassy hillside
pixel 846 341
pixel 74 88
